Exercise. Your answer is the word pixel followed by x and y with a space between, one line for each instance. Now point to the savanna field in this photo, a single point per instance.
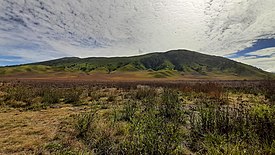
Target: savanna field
pixel 137 77
pixel 183 117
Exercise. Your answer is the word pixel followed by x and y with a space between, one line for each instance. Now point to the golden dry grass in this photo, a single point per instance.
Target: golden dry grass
pixel 24 132
pixel 119 76
pixel 28 132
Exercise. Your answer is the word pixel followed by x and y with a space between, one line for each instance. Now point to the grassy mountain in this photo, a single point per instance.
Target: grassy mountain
pixel 158 64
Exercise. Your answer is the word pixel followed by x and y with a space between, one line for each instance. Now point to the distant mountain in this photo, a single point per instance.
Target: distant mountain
pixel 181 62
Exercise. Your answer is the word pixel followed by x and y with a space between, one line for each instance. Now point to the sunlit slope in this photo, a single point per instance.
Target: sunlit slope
pixel 156 65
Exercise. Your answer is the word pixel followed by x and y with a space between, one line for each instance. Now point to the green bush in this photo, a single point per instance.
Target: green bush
pixel 98 135
pixel 129 111
pixel 19 93
pixel 142 129
pixel 50 96
pixel 72 96
pixel 83 122
pixel 145 93
pixel 155 128
pixel 171 108
pixel 239 127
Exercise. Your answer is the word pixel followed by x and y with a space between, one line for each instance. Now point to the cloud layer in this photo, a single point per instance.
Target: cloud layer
pixel 264 59
pixel 36 30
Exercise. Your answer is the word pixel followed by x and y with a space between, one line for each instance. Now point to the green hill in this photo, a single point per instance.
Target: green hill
pixel 159 64
pixel 27 68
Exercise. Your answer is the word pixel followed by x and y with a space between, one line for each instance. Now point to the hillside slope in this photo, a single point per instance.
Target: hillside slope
pixel 176 62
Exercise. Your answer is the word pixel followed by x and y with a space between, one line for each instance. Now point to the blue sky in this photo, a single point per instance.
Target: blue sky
pixel 38 30
pixel 11 60
pixel 261 54
pixel 257 45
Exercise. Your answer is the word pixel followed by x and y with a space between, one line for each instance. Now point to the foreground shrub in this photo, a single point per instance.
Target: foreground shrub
pixel 83 124
pixel 171 108
pixel 145 93
pixel 72 96
pixel 129 111
pixel 142 128
pixel 19 93
pixel 268 88
pixel 230 127
pixel 213 90
pixel 98 135
pixel 50 96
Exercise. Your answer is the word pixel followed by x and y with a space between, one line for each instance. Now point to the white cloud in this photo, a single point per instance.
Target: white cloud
pixel 265 63
pixel 122 27
pixel 235 24
pixel 264 52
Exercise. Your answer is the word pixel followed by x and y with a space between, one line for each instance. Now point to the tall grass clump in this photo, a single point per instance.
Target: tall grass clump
pixel 19 97
pixel 213 90
pixel 72 96
pixel 171 108
pixel 50 96
pixel 129 110
pixel 222 128
pixel 157 129
pixel 145 93
pixel 268 88
pixel 18 94
pixel 83 122
pixel 143 128
pixel 97 134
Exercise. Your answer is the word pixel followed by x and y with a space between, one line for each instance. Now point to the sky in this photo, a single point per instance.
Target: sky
pixel 38 30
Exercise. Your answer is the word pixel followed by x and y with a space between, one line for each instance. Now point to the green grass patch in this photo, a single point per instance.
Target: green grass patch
pixel 164 74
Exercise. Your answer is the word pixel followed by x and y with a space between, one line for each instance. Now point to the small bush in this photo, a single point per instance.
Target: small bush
pixel 129 111
pixel 268 88
pixel 72 96
pixel 54 147
pixel 144 129
pixel 235 125
pixel 157 128
pixel 19 93
pixel 145 93
pixel 50 96
pixel 98 135
pixel 171 108
pixel 213 90
pixel 83 124
pixel 111 98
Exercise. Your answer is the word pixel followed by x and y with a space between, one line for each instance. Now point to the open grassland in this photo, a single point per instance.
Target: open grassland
pixel 145 117
pixel 49 73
